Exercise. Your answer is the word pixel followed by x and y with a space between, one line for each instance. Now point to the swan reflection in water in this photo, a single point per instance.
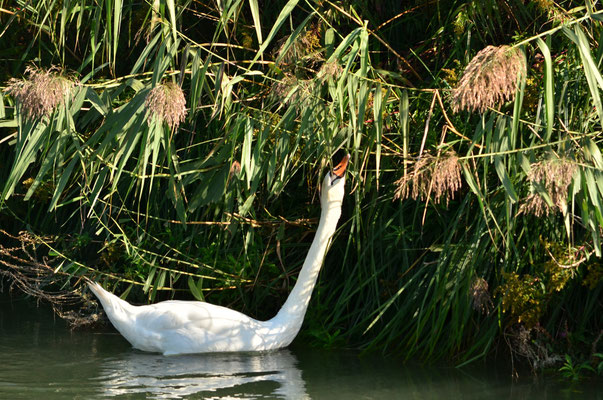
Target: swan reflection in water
pixel 218 375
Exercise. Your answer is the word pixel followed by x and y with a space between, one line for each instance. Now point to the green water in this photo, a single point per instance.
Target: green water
pixel 40 358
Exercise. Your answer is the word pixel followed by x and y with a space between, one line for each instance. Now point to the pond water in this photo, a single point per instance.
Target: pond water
pixel 40 358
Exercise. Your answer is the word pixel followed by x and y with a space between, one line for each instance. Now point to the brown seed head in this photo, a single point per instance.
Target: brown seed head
pixel 292 90
pixel 555 175
pixel 447 177
pixel 304 47
pixel 535 204
pixel 167 102
pixel 480 296
pixel 41 92
pixel 555 13
pixel 283 87
pixel 489 79
pixel 438 176
pixel 330 70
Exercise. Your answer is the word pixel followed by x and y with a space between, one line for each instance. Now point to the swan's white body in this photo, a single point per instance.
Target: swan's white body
pixel 179 327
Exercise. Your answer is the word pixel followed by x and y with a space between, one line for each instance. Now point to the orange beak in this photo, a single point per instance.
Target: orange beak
pixel 339 170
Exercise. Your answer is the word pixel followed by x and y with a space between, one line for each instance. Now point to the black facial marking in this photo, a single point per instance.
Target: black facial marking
pixel 340 162
pixel 334 177
pixel 338 156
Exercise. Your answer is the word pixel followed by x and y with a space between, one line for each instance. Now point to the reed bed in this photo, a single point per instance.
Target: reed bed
pixel 183 162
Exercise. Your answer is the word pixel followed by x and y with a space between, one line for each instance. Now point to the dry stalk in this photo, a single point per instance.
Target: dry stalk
pixel 32 274
pixel 528 343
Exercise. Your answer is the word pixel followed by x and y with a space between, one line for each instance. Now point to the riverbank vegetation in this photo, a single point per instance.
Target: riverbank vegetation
pixel 172 149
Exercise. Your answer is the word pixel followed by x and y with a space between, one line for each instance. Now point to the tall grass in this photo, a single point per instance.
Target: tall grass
pixel 445 218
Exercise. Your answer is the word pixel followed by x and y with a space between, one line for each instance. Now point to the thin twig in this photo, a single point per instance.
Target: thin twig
pixel 427 124
pixel 403 13
pixel 450 124
pixel 572 265
pixel 383 42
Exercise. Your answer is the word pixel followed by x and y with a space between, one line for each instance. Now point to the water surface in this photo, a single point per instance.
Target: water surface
pixel 41 358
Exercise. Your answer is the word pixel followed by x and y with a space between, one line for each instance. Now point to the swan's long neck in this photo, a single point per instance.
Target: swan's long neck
pixel 293 311
pixel 119 311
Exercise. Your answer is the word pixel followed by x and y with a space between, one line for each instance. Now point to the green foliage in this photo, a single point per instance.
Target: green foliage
pixel 573 371
pixel 599 356
pixel 218 201
pixel 525 298
pixel 594 275
pixel 522 297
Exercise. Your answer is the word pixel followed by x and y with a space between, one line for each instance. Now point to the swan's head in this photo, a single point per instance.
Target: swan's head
pixel 333 185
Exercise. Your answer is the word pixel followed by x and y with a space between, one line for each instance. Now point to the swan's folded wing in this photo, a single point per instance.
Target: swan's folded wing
pixel 190 327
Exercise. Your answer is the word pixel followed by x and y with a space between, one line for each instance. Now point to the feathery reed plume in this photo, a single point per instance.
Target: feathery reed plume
pixel 282 88
pixel 489 79
pixel 555 175
pixel 535 204
pixel 418 180
pixel 305 47
pixel 447 176
pixel 293 91
pixel 440 176
pixel 41 92
pixel 329 70
pixel 555 13
pixel 480 297
pixel 167 102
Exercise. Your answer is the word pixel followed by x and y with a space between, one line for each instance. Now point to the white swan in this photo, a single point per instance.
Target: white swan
pixel 180 327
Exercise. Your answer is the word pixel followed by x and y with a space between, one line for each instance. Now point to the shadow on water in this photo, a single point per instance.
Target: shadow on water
pixel 41 358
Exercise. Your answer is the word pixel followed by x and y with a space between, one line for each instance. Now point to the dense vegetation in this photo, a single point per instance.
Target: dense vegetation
pixel 172 149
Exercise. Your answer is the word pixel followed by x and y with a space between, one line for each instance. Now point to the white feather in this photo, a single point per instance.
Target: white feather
pixel 178 327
